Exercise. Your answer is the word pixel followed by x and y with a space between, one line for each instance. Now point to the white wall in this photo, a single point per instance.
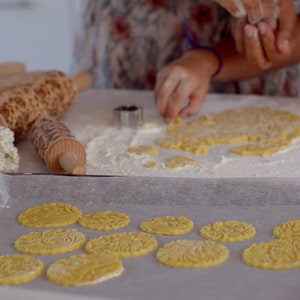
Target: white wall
pixel 40 35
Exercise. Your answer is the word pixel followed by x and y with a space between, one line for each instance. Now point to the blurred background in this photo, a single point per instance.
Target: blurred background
pixel 38 32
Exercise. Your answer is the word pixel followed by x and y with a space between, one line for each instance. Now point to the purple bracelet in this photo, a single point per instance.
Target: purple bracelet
pixel 195 45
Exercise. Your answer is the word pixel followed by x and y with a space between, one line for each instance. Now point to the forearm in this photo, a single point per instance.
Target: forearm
pixel 237 67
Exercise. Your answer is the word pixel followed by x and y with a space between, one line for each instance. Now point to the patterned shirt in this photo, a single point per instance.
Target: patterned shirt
pixel 125 42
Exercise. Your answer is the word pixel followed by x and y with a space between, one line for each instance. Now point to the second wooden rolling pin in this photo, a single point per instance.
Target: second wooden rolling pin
pixel 50 93
pixel 12 68
pixel 56 144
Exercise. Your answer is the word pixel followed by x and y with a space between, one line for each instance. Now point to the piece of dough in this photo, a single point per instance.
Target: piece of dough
pixel 124 244
pixel 50 215
pixel 229 231
pixel 143 150
pixel 152 164
pixel 290 229
pixel 50 242
pixel 276 255
pixel 180 161
pixel 192 254
pixel 104 220
pixel 16 269
pixel 84 269
pixel 263 131
pixel 168 225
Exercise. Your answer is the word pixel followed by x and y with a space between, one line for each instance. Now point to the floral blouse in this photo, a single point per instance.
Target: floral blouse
pixel 125 42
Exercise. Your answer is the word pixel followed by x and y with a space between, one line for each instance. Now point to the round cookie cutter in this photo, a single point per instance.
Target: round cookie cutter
pixel 128 116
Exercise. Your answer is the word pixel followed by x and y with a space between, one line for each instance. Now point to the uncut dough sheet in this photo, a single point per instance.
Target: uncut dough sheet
pixel 263 202
pixel 91 121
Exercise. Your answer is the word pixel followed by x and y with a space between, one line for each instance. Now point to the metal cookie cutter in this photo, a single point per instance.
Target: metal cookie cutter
pixel 128 116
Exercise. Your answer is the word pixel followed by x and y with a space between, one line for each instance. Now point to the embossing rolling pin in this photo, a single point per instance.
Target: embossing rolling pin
pixel 58 147
pixel 50 93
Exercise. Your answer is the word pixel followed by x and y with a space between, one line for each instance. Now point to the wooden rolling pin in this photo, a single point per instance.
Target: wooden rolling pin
pixel 58 147
pixel 11 68
pixel 51 93
pixel 15 80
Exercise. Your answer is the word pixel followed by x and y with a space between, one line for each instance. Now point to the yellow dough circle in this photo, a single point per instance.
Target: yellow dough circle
pixel 290 229
pixel 50 215
pixel 50 242
pixel 17 269
pixel 104 220
pixel 192 254
pixel 276 255
pixel 168 225
pixel 124 244
pixel 84 269
pixel 229 231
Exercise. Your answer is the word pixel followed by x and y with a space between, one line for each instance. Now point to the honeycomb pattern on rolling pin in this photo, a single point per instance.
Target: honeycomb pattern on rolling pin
pixel 19 108
pixel 55 143
pixel 56 91
pixel 51 93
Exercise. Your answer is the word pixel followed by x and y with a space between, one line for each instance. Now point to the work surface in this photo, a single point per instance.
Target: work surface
pixel 263 202
pixel 264 191
pixel 106 145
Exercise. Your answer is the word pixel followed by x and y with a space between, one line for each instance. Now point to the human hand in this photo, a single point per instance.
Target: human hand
pixel 189 78
pixel 252 41
pixel 252 9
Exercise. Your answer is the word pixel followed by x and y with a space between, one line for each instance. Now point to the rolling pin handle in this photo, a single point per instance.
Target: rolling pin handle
pixel 83 81
pixel 70 164
pixel 11 68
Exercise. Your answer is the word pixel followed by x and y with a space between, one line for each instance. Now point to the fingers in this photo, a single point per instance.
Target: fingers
pixel 254 50
pixel 234 7
pixel 268 42
pixel 286 25
pixel 271 12
pixel 196 100
pixel 178 94
pixel 172 92
pixel 237 31
pixel 164 89
pixel 254 9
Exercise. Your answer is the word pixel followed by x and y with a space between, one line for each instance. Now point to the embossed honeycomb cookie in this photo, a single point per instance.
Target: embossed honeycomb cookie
pixel 104 220
pixel 124 244
pixel 50 215
pixel 192 254
pixel 229 231
pixel 17 269
pixel 84 269
pixel 290 229
pixel 50 242
pixel 275 255
pixel 168 225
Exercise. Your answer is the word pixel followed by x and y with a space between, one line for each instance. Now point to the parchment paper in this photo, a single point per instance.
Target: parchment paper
pixel 263 202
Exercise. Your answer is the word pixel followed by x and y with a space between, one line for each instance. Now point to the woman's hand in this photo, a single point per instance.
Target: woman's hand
pixel 252 9
pixel 186 79
pixel 270 40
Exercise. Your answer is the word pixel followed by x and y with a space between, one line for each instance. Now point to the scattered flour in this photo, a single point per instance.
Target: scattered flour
pixel 4 194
